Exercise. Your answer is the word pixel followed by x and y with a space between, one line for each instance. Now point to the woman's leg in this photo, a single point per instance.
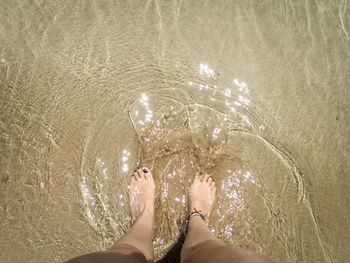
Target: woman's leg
pixel 141 195
pixel 137 244
pixel 202 195
pixel 200 244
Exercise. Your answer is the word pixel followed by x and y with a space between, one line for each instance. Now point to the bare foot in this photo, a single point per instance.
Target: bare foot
pixel 202 193
pixel 141 192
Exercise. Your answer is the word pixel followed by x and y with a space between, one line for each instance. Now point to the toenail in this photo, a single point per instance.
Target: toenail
pixel 134 171
pixel 138 167
pixel 201 172
pixel 145 170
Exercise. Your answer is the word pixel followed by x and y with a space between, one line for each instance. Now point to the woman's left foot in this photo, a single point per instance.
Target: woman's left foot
pixel 141 192
pixel 202 193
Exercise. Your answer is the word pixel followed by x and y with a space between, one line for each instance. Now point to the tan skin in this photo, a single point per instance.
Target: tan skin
pixel 140 235
pixel 141 193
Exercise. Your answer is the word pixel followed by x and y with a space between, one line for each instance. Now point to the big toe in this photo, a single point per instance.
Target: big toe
pixel 205 178
pixel 146 172
pixel 198 177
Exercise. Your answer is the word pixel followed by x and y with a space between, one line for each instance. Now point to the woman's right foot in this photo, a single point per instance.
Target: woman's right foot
pixel 142 192
pixel 202 193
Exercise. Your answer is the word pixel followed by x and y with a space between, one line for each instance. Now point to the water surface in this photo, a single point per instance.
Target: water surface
pixel 253 92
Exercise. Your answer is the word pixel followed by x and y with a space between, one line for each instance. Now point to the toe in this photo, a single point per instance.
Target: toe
pixel 201 175
pixel 213 187
pixel 133 179
pixel 205 178
pixel 137 175
pixel 141 173
pixel 209 180
pixel 146 172
pixel 212 182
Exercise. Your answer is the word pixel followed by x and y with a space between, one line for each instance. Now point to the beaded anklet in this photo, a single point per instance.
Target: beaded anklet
pixel 192 214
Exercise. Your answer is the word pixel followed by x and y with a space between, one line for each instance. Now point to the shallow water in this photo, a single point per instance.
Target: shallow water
pixel 253 92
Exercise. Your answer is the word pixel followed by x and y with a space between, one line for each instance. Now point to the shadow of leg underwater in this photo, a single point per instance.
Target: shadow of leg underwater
pixel 174 254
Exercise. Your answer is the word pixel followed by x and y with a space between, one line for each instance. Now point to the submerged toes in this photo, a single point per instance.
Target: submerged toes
pixel 140 173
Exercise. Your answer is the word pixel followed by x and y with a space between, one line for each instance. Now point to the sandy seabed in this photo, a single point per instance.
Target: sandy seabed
pixel 254 92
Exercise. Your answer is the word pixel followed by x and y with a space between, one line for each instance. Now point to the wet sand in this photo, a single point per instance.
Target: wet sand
pixel 254 92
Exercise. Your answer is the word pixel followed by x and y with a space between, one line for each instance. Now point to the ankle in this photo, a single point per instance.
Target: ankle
pixel 191 216
pixel 145 221
pixel 196 220
pixel 198 208
pixel 147 212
